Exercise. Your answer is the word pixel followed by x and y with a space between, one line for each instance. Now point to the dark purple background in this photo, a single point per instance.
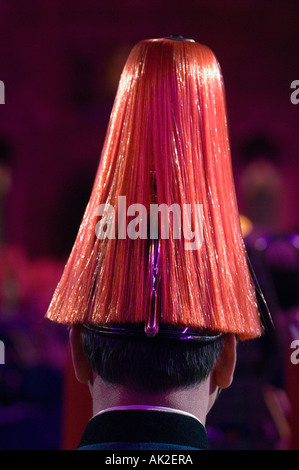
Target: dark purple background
pixel 60 62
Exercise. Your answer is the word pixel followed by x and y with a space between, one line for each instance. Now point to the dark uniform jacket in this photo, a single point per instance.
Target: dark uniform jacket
pixel 144 429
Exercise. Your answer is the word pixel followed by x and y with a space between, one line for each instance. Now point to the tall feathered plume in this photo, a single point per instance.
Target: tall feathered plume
pixel 167 144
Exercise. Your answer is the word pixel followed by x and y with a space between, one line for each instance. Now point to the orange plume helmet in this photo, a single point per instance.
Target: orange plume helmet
pixel 166 152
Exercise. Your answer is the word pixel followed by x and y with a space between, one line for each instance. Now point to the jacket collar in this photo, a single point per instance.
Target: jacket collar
pixel 152 425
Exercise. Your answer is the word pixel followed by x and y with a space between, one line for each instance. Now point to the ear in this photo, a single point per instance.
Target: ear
pixel 82 368
pixel 224 368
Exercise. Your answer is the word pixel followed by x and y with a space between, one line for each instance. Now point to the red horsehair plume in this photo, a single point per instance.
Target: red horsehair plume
pixel 168 126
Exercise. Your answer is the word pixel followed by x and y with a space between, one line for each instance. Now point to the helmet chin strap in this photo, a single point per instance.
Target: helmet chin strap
pixel 168 332
pixel 152 325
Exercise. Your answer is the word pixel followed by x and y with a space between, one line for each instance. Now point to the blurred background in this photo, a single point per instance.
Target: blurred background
pixel 60 62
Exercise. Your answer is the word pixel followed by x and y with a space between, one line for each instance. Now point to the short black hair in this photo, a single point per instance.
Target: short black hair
pixel 150 364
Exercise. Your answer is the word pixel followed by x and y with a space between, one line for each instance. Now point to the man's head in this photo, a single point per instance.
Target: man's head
pixel 159 369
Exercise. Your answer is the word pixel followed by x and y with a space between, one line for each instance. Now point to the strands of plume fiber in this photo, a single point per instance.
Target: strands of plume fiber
pixel 168 120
